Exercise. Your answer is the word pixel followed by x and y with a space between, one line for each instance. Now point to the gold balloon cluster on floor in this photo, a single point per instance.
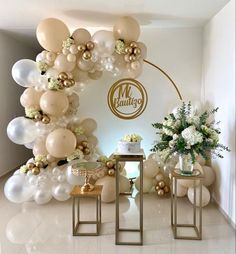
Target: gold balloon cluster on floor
pixel 36 167
pixel 162 188
pixel 84 147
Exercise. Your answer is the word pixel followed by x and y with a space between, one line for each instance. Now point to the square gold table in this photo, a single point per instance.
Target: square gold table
pixel 139 157
pixel 77 194
pixel 196 176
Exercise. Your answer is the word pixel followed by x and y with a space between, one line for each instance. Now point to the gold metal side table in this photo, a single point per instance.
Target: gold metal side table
pixel 139 157
pixel 196 176
pixel 77 194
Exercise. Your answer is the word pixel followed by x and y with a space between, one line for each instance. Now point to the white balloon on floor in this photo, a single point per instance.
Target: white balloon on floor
pixel 61 192
pixel 124 184
pixel 150 168
pixel 181 190
pixel 147 184
pixel 209 176
pixel 43 196
pixel 108 190
pixel 205 195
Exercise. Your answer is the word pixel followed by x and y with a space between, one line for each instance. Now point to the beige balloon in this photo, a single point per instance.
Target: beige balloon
pixel 209 176
pixel 81 36
pixel 40 147
pixel 108 190
pixel 124 184
pixel 127 29
pixel 147 184
pixel 85 65
pixel 81 138
pixel 93 140
pixel 30 98
pixel 79 75
pixel 150 168
pixel 181 190
pixel 51 33
pixel 95 75
pixel 89 125
pixel 143 48
pixel 205 196
pixel 63 65
pixel 54 103
pixel 61 143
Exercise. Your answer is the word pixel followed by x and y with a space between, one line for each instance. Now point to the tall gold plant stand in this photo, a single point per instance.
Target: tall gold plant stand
pixel 139 157
pixel 196 176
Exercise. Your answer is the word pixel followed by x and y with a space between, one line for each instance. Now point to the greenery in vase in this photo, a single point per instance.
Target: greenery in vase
pixel 187 132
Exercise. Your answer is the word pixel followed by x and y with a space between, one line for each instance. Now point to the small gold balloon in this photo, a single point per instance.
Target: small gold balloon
pixel 39 164
pixel 30 165
pixel 38 117
pixel 45 119
pixel 81 47
pixel 80 147
pixel 166 189
pixel 160 192
pixel 157 188
pixel 111 172
pixel 132 58
pixel 86 55
pixel 62 76
pixel 137 51
pixel 86 151
pixel 84 144
pixel 90 45
pixel 35 171
pixel 128 50
pixel 161 184
pixel 67 83
pixel 133 44
pixel 110 164
pixel 72 81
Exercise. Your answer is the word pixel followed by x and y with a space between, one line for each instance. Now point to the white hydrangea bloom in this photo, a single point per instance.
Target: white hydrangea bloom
pixel 192 136
pixel 195 120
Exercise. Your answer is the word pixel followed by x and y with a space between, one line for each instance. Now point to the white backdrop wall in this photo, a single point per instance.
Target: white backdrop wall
pixel 179 52
pixel 11 155
pixel 219 90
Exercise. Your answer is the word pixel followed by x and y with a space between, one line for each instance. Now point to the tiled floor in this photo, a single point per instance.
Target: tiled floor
pixel 29 228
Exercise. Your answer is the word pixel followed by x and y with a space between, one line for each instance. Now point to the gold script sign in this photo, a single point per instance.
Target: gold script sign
pixel 127 98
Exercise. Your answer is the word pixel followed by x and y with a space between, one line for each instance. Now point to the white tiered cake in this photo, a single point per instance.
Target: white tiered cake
pixel 129 144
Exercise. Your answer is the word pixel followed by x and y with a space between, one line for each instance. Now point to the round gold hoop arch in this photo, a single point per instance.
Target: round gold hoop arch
pixel 167 76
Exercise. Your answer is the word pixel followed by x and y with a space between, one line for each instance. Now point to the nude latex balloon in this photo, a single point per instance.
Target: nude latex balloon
pixel 61 143
pixel 81 36
pixel 54 103
pixel 61 64
pixel 89 125
pixel 30 98
pixel 51 33
pixel 127 29
pixel 40 147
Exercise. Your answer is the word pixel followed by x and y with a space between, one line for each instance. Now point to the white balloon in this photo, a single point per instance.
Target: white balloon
pixel 124 184
pixel 21 130
pixel 159 177
pixel 108 190
pixel 209 176
pixel 181 190
pixel 205 195
pixel 43 196
pixel 147 184
pixel 29 145
pixel 17 190
pixel 61 192
pixel 150 168
pixel 25 72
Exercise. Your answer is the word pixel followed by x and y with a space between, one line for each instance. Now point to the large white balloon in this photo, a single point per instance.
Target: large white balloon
pixel 108 190
pixel 17 190
pixel 209 176
pixel 147 184
pixel 205 195
pixel 21 130
pixel 124 184
pixel 61 192
pixel 25 72
pixel 150 168
pixel 43 196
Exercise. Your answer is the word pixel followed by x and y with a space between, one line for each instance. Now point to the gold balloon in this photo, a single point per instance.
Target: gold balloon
pixel 110 164
pixel 38 117
pixel 62 76
pixel 80 147
pixel 128 50
pixel 157 188
pixel 161 184
pixel 166 189
pixel 133 44
pixel 72 82
pixel 111 172
pixel 45 119
pixel 67 83
pixel 35 171
pixel 30 165
pixel 86 151
pixel 81 47
pixel 86 55
pixel 90 45
pixel 132 58
pixel 160 192
pixel 137 51
pixel 39 164
pixel 84 144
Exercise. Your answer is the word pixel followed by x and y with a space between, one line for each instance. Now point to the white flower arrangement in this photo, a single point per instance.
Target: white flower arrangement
pixel 31 112
pixel 187 132
pixel 132 138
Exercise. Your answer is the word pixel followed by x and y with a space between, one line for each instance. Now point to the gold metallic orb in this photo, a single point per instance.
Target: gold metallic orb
pixel 84 144
pixel 86 55
pixel 132 58
pixel 62 76
pixel 161 184
pixel 30 165
pixel 67 83
pixel 80 147
pixel 160 192
pixel 35 171
pixel 109 164
pixel 45 119
pixel 38 117
pixel 157 188
pixel 39 164
pixel 111 172
pixel 72 82
pixel 90 45
pixel 128 50
pixel 137 51
pixel 86 151
pixel 133 44
pixel 81 47
pixel 166 189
